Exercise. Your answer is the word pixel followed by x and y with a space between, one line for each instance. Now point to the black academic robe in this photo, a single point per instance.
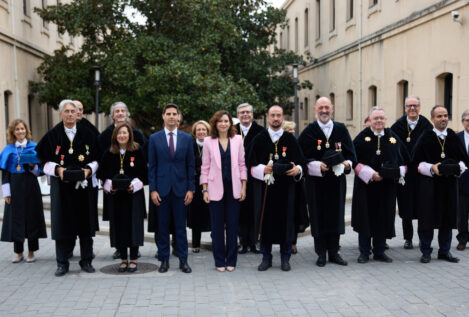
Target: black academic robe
pixel 438 196
pixel 374 204
pixel 23 218
pixel 278 224
pixel 326 195
pixel 104 140
pixel 86 123
pixel 246 211
pixel 198 214
pixel 73 210
pixel 126 210
pixel 405 194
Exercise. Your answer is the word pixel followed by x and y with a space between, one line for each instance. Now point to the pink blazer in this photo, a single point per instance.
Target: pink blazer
pixel 211 174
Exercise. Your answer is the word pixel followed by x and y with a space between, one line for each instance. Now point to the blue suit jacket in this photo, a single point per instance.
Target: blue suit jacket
pixel 166 173
pixel 464 179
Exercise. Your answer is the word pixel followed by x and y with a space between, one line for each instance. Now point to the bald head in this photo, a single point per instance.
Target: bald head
pixel 324 109
pixel 275 117
pixel 80 109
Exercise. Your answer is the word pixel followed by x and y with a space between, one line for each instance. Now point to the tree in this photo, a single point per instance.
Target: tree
pixel 204 55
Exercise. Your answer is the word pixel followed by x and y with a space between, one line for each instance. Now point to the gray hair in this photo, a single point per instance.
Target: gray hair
pixel 65 102
pixel 412 97
pixel 376 108
pixel 118 104
pixel 244 105
pixel 465 113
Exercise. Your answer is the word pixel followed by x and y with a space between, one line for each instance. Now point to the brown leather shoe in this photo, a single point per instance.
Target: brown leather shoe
pixel 461 246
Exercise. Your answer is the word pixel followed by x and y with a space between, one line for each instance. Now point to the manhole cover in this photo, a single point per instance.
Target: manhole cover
pixel 142 268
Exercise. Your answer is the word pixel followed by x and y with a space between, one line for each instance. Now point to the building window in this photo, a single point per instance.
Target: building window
pixel 296 34
pixel 306 109
pixel 7 100
pixel 27 8
pixel 402 93
pixel 444 92
pixel 281 40
pixel 332 98
pixel 318 19
pixel 45 25
pixel 349 10
pixel 288 38
pixel 306 28
pixel 349 105
pixel 332 16
pixel 373 3
pixel 372 96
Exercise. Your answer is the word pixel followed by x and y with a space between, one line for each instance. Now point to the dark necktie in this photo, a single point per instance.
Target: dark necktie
pixel 171 144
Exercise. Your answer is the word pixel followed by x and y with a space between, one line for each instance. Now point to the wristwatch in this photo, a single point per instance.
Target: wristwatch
pixel 204 191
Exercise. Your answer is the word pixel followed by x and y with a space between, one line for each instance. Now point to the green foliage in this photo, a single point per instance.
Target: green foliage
pixel 204 55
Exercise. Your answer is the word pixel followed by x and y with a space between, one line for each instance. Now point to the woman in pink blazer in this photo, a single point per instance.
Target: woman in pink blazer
pixel 223 179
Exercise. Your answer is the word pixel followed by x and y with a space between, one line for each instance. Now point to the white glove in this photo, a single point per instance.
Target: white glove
pixel 338 169
pixel 462 166
pixel 83 184
pixel 269 179
pixel 401 180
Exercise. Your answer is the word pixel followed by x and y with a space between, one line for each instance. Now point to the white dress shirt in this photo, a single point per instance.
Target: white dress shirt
pixel 441 134
pixel 244 129
pixel 22 144
pixel 466 139
pixel 378 133
pixel 175 137
pixel 412 124
pixel 71 132
pixel 326 128
pixel 275 135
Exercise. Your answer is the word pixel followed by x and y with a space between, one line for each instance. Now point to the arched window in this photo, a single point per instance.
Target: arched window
pixel 402 93
pixel 349 105
pixel 306 28
pixel 372 96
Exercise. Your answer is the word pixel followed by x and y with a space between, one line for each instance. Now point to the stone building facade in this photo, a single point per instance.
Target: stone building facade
pixel 376 52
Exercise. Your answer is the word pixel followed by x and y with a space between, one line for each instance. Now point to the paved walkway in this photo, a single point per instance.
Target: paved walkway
pixel 402 288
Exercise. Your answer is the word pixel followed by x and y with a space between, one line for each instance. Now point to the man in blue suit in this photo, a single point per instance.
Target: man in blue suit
pixel 171 179
pixel 463 232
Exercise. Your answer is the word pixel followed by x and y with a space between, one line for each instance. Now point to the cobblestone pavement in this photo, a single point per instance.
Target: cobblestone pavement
pixel 402 288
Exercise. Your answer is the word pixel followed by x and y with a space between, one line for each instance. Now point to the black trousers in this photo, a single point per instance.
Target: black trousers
pixel 327 243
pixel 33 245
pixel 463 232
pixel 133 253
pixel 407 228
pixel 65 246
pixel 196 237
pixel 444 241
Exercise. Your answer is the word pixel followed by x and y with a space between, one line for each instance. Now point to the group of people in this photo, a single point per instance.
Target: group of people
pixel 240 182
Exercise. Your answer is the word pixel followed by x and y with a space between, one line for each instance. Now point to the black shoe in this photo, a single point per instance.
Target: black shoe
pixel 164 267
pixel 363 258
pixel 254 249
pixel 264 266
pixel 425 258
pixel 132 269
pixel 321 261
pixel 87 267
pixel 285 266
pixel 123 267
pixel 70 255
pixel 448 257
pixel 382 258
pixel 116 255
pixel 61 270
pixel 386 246
pixel 184 267
pixel 337 259
pixel 242 249
pixel 408 244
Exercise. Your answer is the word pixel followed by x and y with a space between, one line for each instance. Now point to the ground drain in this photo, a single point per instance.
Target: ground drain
pixel 142 268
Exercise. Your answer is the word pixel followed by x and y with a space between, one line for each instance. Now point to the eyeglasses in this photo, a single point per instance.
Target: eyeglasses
pixel 466 120
pixel 245 112
pixel 412 106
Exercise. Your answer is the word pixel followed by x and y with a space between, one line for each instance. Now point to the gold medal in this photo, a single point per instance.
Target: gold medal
pixel 121 171
pixel 276 156
pixel 319 148
pixel 367 139
pixel 18 168
pixel 327 145
pixel 81 158
pixel 392 140
pixel 132 164
pixel 378 152
pixel 408 140
pixel 70 151
pixel 443 155
pixel 87 150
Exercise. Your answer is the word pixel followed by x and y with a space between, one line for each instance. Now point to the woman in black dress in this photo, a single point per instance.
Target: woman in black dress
pixel 123 169
pixel 23 217
pixel 198 215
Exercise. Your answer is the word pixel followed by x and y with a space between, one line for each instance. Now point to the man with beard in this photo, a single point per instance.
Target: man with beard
pixel 275 166
pixel 119 113
pixel 248 221
pixel 441 158
pixel 69 153
pixel 409 128
pixel 381 158
pixel 329 150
